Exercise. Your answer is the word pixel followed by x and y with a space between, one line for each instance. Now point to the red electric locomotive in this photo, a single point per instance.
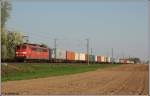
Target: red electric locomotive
pixel 32 52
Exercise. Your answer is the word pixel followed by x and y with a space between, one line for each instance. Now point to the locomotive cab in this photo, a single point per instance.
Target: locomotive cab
pixel 21 51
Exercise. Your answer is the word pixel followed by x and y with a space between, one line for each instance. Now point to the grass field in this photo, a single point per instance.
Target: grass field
pixel 29 71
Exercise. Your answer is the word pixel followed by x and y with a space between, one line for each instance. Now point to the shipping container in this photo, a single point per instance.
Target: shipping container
pixel 121 60
pixel 60 54
pixel 105 59
pixel 77 56
pixel 124 61
pixel 131 62
pixel 113 60
pixel 117 60
pixel 70 55
pixel 128 61
pixel 102 58
pixel 82 57
pixel 108 59
pixel 50 53
pixel 91 58
pixel 86 57
pixel 98 58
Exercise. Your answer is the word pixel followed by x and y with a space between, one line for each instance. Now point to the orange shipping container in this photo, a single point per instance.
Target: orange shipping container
pixel 86 57
pixel 70 55
pixel 98 58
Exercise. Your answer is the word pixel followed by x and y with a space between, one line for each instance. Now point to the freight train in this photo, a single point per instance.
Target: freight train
pixel 35 52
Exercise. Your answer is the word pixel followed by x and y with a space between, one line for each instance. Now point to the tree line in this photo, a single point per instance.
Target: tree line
pixel 9 39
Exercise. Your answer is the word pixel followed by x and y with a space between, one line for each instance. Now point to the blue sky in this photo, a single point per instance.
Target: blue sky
pixel 112 24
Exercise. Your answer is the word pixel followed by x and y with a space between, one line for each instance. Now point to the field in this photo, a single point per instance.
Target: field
pixel 29 71
pixel 129 79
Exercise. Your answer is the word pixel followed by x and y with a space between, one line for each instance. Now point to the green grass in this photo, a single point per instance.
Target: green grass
pixel 30 71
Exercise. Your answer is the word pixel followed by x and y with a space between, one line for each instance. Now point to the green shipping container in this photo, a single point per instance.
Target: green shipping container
pixel 92 58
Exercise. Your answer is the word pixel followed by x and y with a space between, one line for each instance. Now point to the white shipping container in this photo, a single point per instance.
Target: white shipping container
pixel 60 53
pixel 105 59
pixel 96 58
pixel 77 56
pixel 117 60
pixel 102 59
pixel 132 62
pixel 82 57
pixel 121 60
pixel 128 61
pixel 113 60
pixel 108 59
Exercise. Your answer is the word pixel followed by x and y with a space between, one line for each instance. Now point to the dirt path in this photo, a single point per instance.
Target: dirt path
pixel 122 80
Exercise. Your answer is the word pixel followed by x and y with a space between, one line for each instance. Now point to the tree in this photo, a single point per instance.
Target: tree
pixel 4 45
pixel 9 43
pixel 9 39
pixel 135 59
pixel 43 45
pixel 15 38
pixel 5 12
pixel 147 62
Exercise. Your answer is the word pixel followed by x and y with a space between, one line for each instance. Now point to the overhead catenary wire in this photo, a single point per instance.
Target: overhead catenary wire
pixel 78 46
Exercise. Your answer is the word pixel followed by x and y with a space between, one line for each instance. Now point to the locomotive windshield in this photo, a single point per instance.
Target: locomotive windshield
pixel 18 47
pixel 23 47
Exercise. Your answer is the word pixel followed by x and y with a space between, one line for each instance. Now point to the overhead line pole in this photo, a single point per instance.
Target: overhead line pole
pixel 55 46
pixel 26 38
pixel 87 45
pixel 112 55
pixel 92 54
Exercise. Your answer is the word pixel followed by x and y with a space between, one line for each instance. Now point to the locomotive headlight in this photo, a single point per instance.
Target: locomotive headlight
pixel 24 52
pixel 21 52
